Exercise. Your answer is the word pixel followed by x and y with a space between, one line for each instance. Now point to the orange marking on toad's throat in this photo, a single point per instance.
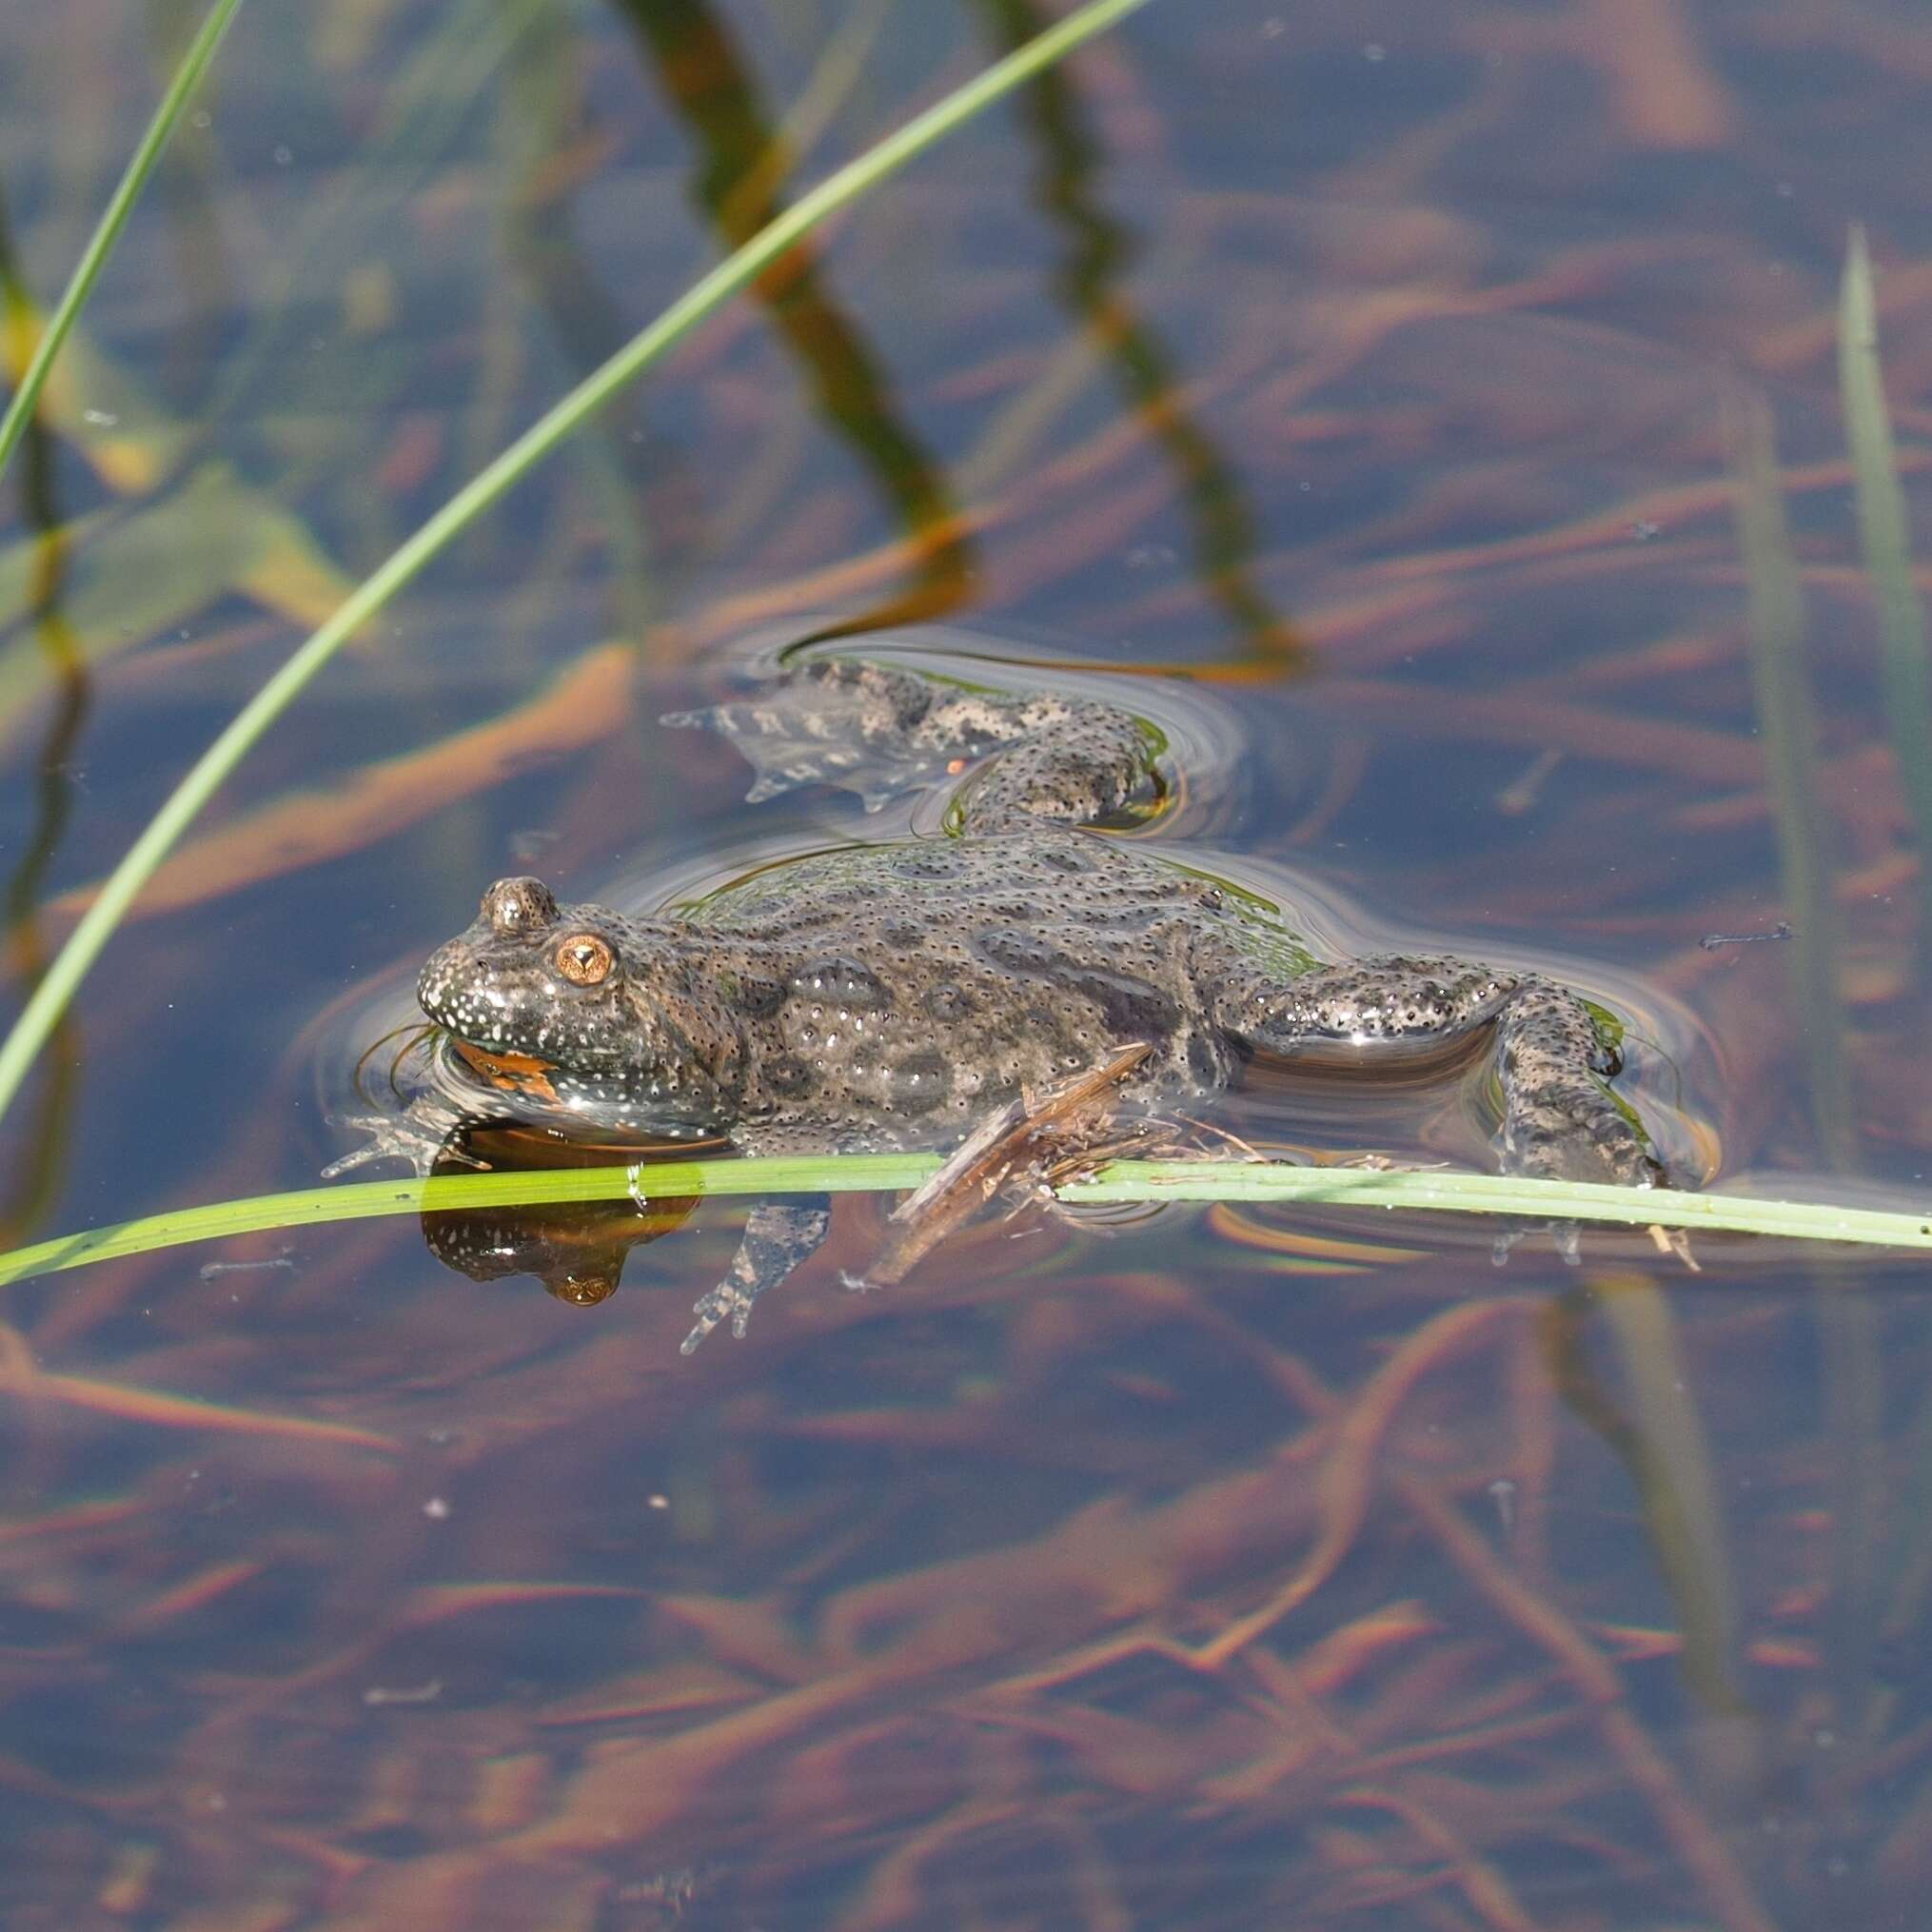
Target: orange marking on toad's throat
pixel 513 1073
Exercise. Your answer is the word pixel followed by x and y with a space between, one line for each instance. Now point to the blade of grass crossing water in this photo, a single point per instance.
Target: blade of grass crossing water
pixel 1885 537
pixel 701 301
pixel 1118 1181
pixel 187 76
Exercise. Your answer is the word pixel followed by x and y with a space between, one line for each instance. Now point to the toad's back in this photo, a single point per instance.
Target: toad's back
pixel 903 987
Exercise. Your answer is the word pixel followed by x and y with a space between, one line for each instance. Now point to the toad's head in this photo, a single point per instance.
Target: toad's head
pixel 579 1010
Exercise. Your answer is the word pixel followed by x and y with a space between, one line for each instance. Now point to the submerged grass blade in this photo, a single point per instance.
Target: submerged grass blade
pixel 1669 1451
pixel 1885 537
pixel 187 76
pixel 701 301
pixel 1788 731
pixel 1787 728
pixel 1120 1180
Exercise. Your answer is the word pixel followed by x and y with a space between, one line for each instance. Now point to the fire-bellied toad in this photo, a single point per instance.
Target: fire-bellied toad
pixel 888 995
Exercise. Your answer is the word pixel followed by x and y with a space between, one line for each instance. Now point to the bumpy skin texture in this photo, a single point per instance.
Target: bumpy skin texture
pixel 888 995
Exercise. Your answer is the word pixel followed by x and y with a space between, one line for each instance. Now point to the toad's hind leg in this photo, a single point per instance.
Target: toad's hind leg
pixel 1076 762
pixel 1560 1119
pixel 881 729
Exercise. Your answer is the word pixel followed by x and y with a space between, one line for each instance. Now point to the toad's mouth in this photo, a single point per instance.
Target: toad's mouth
pixel 509 1073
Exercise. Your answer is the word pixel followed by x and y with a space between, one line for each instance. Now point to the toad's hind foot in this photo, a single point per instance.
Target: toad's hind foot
pixel 879 730
pixel 1560 1120
pixel 835 721
pixel 777 1237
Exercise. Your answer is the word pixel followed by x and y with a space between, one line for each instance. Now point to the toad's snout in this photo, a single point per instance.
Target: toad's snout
pixel 453 989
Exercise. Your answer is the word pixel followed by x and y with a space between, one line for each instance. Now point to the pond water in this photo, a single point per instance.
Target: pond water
pixel 1438 410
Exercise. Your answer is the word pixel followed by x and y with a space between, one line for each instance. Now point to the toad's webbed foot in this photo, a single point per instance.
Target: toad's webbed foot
pixel 777 1237
pixel 878 730
pixel 1560 1119
pixel 420 1135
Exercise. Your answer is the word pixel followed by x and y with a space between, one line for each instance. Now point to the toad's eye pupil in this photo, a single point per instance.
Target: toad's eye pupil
pixel 584 961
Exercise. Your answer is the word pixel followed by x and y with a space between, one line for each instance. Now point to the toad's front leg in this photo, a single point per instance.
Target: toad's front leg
pixel 1560 1118
pixel 427 1130
pixel 777 1237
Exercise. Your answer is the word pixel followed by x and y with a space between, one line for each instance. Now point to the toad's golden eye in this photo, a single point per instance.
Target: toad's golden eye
pixel 583 959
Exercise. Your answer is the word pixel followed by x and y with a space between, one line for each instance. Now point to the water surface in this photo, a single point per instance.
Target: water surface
pixel 1452 395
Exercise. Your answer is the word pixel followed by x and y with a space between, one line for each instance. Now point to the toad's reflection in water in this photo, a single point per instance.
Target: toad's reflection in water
pixel 576 1248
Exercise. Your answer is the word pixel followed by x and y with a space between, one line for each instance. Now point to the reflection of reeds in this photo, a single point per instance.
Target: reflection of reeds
pixel 1100 251
pixel 739 160
pixel 187 75
pixel 772 247
pixel 1788 733
pixel 1884 536
pixel 1897 1565
pixel 1663 1444
pixel 61 666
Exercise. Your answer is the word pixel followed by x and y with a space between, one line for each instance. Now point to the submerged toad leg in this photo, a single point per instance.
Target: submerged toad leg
pixel 879 729
pixel 422 1134
pixel 777 1237
pixel 1560 1118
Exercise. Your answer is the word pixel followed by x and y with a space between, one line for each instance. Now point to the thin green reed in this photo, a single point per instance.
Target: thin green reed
pixel 1885 540
pixel 1787 729
pixel 703 298
pixel 187 77
pixel 1653 1424
pixel 1360 1189
pixel 1888 1572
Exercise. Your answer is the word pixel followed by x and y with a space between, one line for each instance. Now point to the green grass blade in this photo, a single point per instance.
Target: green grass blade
pixel 187 76
pixel 1667 1449
pixel 50 998
pixel 1781 684
pixel 1118 1181
pixel 1885 540
pixel 1787 729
